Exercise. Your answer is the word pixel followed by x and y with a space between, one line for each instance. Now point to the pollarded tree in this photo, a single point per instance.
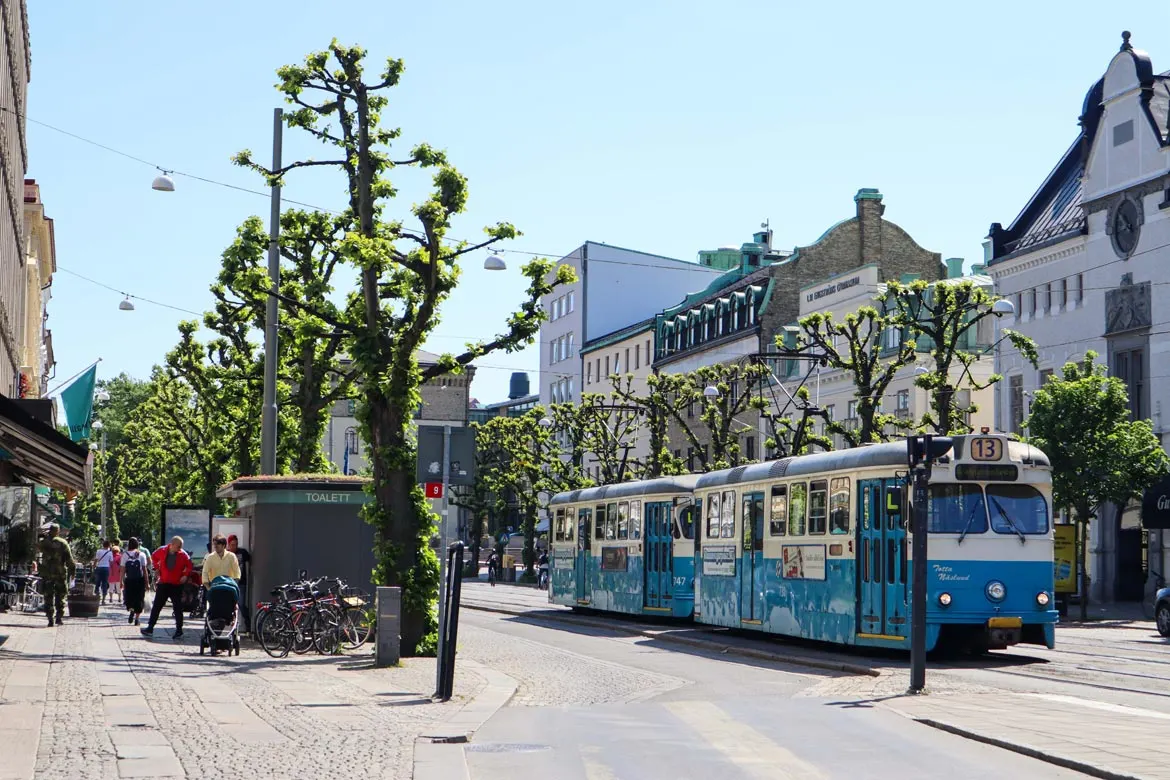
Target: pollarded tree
pixel 946 316
pixel 855 346
pixel 604 428
pixel 405 274
pixel 1099 456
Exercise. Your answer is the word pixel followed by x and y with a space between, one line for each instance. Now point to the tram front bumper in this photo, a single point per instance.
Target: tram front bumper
pixel 1004 631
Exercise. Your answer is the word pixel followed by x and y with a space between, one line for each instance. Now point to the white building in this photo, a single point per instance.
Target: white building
pixel 1085 264
pixel 615 288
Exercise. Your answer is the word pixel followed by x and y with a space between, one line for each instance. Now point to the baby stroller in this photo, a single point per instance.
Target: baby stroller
pixel 221 619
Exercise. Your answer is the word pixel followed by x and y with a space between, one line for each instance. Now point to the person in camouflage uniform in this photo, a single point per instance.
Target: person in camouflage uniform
pixel 57 569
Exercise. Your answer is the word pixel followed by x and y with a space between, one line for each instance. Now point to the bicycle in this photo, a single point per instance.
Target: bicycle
pixel 1150 594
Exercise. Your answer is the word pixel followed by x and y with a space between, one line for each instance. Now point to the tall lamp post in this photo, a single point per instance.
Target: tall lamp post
pixel 97 426
pixel 271 314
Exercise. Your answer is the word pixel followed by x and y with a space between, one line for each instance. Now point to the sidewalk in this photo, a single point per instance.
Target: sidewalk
pixel 1100 739
pixel 95 699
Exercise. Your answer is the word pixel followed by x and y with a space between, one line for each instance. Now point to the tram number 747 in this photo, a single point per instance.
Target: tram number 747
pixel 680 582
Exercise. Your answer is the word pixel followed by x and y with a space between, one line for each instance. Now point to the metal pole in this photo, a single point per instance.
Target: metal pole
pixel 439 655
pixel 268 417
pixel 105 484
pixel 918 586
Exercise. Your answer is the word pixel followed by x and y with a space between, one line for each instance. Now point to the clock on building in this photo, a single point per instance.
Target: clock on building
pixel 1127 225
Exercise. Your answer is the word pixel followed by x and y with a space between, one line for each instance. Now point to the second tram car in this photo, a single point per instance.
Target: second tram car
pixel 818 546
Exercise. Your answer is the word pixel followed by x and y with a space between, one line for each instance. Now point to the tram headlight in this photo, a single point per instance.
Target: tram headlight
pixel 944 599
pixel 1042 599
pixel 996 590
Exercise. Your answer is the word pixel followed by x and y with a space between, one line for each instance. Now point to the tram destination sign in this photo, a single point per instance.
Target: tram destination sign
pixel 987 472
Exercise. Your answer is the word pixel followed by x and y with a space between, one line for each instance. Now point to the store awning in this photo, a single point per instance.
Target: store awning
pixel 39 453
pixel 1156 506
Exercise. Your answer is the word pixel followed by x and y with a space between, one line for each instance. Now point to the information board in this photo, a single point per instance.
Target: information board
pixel 192 523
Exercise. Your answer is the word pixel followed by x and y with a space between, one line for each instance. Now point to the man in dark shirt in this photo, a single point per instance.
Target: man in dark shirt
pixel 245 559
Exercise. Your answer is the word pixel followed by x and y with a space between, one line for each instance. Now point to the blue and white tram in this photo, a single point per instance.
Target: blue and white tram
pixel 625 548
pixel 817 546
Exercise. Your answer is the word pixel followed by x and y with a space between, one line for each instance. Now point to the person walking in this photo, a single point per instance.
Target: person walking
pixel 57 569
pixel 493 564
pixel 245 558
pixel 220 563
pixel 101 570
pixel 135 570
pixel 174 569
pixel 115 572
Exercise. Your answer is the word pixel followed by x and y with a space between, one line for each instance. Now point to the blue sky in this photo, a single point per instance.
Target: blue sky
pixel 667 127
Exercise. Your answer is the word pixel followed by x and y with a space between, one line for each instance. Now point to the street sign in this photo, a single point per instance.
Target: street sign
pixel 429 467
pixel 434 489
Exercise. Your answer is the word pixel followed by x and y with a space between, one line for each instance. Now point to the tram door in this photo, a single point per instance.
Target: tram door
pixel 584 535
pixel 658 557
pixel 883 605
pixel 751 571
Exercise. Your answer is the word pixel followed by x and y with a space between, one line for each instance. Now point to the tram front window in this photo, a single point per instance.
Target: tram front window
pixel 1017 509
pixel 957 509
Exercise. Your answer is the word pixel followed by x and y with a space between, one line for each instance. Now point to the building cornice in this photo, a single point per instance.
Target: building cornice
pixel 1139 189
pixel 1028 262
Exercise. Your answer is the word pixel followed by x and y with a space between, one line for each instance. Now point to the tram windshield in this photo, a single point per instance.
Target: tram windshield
pixel 1017 509
pixel 956 509
pixel 964 509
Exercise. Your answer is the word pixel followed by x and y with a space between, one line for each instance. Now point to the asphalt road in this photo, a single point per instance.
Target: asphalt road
pixel 595 704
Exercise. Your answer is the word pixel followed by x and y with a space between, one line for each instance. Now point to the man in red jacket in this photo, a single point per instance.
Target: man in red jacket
pixel 173 565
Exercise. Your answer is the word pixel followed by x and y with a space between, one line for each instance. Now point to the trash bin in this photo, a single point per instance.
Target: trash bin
pixel 509 568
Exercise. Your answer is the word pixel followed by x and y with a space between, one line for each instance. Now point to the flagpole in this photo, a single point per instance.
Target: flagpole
pixel 68 381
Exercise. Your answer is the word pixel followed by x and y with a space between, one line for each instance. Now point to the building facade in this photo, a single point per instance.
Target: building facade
pixel 1084 263
pixel 628 353
pixel 37 362
pixel 15 63
pixel 615 288
pixel 445 402
pixel 740 314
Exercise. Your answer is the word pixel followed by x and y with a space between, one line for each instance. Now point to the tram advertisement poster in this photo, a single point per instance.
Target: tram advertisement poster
pixel 804 561
pixel 1064 558
pixel 719 560
pixel 615 559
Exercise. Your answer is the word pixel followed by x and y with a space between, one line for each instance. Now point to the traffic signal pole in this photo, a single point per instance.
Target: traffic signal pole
pixel 921 451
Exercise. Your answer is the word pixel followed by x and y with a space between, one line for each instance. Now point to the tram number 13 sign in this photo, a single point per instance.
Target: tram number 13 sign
pixel 986 449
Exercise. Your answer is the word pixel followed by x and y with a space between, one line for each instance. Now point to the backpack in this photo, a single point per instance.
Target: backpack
pixel 132 568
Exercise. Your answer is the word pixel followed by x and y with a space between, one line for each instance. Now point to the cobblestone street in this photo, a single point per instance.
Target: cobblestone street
pixel 95 699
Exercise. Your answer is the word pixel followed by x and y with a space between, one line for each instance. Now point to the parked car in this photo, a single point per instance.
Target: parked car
pixel 1162 611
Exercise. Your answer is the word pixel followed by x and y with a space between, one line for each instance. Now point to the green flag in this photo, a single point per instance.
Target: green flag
pixel 78 402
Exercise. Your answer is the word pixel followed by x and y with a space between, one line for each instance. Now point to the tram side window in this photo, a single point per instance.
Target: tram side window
pixel 778 524
pixel 713 516
pixel 685 528
pixel 797 504
pixel 955 509
pixel 611 521
pixel 839 506
pixel 623 523
pixel 1017 509
pixel 727 516
pixel 570 524
pixel 818 494
pixel 560 525
pixel 599 523
pixel 635 519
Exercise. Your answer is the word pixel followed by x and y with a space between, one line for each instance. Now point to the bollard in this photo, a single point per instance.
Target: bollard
pixel 449 617
pixel 388 636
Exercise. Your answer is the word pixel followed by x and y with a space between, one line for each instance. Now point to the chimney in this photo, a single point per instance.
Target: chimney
pixel 954 267
pixel 518 385
pixel 977 269
pixel 869 215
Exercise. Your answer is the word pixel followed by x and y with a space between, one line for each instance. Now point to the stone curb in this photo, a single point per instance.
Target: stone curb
pixel 438 751
pixel 715 647
pixel 1024 750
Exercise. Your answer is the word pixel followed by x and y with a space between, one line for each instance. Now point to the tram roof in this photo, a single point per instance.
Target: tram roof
pixel 856 458
pixel 684 483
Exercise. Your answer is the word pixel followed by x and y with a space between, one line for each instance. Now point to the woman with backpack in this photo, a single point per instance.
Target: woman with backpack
pixel 135 570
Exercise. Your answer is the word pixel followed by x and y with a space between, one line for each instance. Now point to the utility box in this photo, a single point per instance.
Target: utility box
pixel 389 632
pixel 311 523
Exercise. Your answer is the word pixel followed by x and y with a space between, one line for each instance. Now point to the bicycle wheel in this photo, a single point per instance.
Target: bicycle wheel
pixel 326 632
pixel 275 633
pixel 302 632
pixel 356 627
